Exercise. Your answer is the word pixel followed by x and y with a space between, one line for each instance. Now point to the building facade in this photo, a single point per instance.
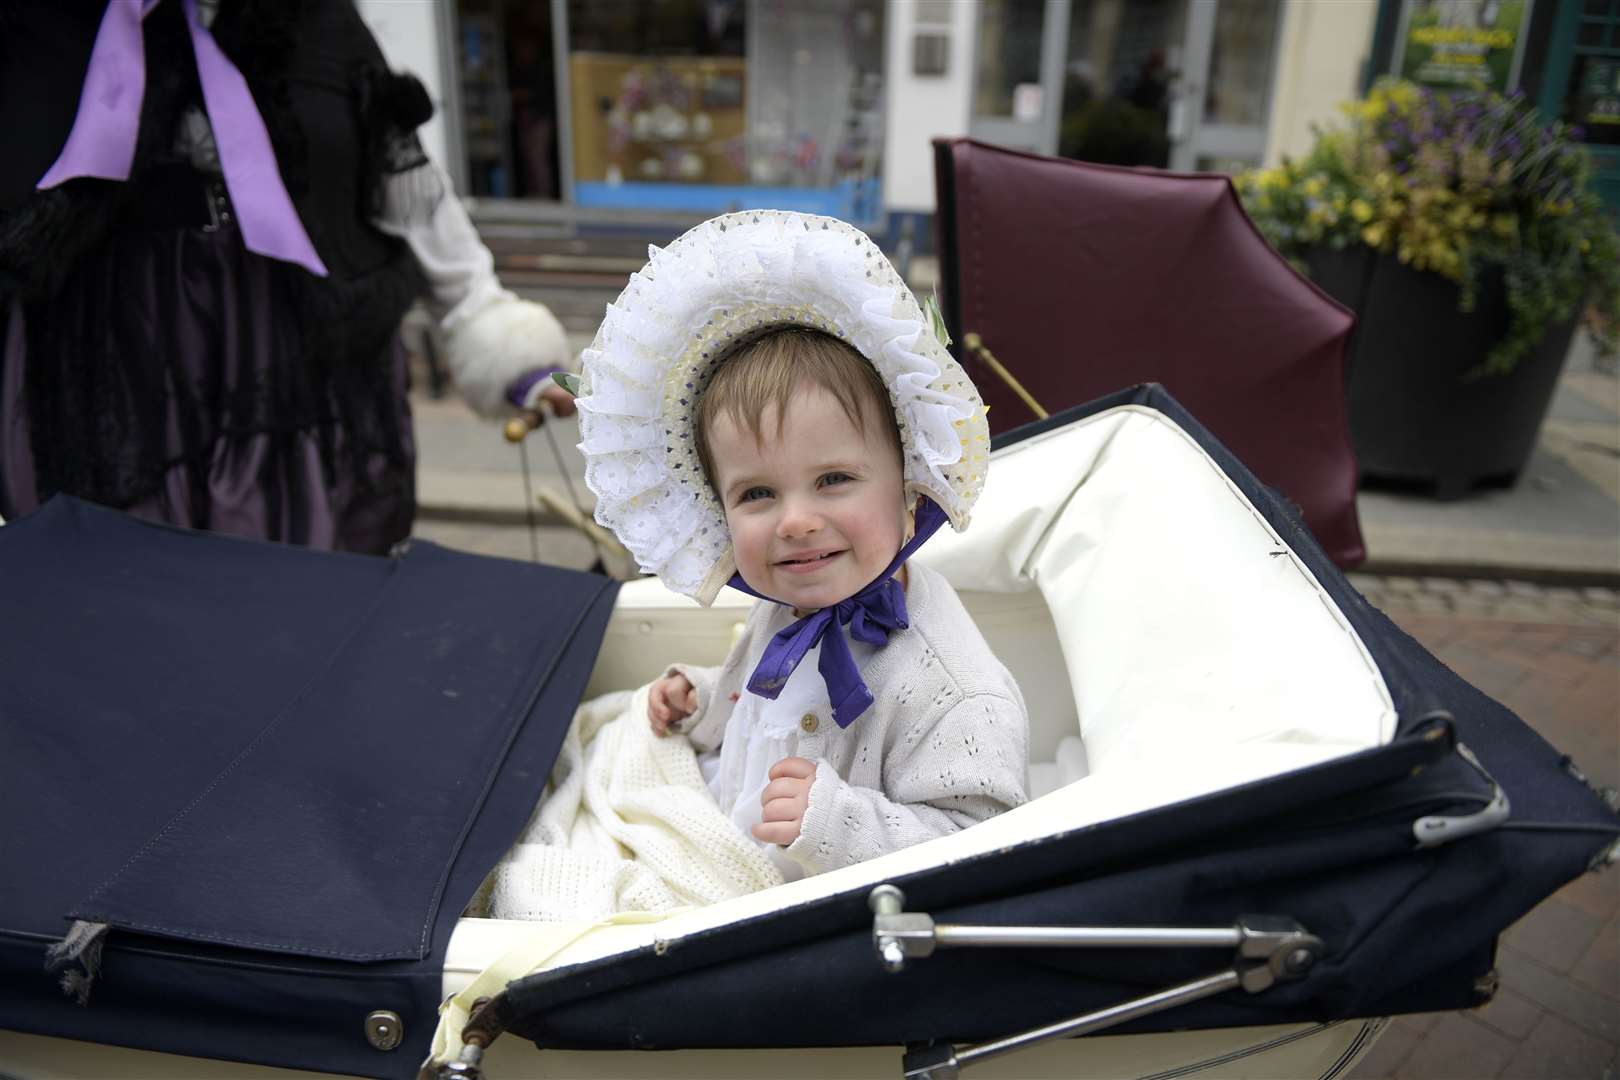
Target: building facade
pixel 592 107
pixel 598 109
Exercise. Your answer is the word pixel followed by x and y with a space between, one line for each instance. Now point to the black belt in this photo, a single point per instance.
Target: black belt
pixel 175 197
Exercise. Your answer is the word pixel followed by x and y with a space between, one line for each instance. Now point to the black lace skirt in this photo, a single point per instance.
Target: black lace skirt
pixel 182 378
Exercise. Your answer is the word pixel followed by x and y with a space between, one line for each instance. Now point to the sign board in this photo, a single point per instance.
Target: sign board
pixel 1598 100
pixel 1462 44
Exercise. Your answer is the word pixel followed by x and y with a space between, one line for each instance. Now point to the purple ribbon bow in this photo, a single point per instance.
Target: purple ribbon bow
pixel 102 142
pixel 871 615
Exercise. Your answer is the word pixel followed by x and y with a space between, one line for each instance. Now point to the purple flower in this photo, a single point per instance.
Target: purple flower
pixel 1578 133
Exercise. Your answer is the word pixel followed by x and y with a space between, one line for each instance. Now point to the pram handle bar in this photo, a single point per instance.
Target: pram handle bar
pixel 1269 948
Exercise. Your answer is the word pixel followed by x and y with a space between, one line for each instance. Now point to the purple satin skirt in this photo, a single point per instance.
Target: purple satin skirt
pixel 184 379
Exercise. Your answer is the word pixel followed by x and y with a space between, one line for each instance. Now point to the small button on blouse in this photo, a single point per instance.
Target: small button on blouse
pixel 808 723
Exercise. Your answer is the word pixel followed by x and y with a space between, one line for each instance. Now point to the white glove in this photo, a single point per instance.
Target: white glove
pixel 493 336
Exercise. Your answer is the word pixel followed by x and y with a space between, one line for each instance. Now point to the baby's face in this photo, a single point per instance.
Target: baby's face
pixel 815 513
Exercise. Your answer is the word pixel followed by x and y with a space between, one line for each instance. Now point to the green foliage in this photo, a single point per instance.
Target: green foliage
pixel 1459 185
pixel 936 319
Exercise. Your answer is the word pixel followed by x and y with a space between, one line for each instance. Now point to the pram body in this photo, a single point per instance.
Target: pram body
pixel 1256 741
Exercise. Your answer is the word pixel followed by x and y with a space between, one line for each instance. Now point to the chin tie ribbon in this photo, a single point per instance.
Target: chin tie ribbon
pixel 871 615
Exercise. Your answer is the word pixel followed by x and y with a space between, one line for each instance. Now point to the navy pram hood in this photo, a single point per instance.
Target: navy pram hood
pixel 252 758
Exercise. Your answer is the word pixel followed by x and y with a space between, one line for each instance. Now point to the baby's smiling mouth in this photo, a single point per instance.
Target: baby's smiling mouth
pixel 809 560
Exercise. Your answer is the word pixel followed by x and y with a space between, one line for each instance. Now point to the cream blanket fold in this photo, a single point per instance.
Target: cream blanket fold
pixel 626 824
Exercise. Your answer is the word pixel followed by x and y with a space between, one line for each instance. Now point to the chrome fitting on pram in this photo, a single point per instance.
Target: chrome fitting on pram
pixel 1269 948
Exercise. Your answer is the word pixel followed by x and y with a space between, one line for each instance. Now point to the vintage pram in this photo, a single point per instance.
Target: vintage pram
pixel 279 775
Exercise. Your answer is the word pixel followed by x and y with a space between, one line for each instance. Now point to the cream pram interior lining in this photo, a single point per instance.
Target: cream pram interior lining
pixel 1142 603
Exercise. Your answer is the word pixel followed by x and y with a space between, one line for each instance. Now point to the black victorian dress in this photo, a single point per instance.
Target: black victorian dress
pixel 148 361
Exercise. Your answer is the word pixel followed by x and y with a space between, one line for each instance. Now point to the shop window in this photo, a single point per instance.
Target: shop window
pixel 713 105
pixel 693 105
pixel 504 53
pixel 1593 100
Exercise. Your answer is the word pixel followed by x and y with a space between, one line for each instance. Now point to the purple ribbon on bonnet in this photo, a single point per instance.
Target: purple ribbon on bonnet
pixel 872 614
pixel 102 142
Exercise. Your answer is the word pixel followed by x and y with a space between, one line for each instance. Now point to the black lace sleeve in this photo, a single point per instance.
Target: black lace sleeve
pixel 394 105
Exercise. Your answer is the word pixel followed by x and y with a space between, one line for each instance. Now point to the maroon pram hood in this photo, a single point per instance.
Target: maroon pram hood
pixel 1082 279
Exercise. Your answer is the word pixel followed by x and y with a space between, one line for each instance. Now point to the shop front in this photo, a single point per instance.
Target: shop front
pixel 682 106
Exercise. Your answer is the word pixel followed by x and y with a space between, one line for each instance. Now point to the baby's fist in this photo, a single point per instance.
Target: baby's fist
pixel 670 700
pixel 785 800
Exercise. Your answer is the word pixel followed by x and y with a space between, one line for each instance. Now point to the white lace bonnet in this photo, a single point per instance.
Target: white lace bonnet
pixel 720 284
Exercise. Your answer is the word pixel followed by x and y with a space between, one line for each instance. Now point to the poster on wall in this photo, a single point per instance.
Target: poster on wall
pixel 1597 99
pixel 1462 44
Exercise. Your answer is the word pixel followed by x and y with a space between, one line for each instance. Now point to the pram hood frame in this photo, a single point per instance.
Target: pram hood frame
pixel 280 775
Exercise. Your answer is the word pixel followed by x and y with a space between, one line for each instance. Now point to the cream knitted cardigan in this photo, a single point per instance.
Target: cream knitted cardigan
pixel 944 745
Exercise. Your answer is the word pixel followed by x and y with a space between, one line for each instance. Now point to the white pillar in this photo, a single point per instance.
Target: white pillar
pixel 1324 47
pixel 921 107
pixel 408 31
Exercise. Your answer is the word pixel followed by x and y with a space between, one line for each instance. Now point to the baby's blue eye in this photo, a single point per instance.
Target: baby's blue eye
pixel 754 493
pixel 831 478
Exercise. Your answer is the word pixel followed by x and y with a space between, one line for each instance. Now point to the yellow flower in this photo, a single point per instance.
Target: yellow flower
pixel 1374 235
pixel 1315 186
pixel 1505 225
pixel 1267 179
pixel 1362 211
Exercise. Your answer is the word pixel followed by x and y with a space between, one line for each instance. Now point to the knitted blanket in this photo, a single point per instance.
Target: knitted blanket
pixel 626 824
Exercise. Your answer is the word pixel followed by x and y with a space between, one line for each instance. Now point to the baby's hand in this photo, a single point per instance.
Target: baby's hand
pixel 785 800
pixel 670 700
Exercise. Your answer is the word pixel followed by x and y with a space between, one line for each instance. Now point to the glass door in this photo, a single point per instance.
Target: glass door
pixel 1018 73
pixel 1218 123
pixel 1182 84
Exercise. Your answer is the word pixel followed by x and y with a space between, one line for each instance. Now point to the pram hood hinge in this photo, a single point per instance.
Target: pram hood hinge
pixel 1432 830
pixel 1269 949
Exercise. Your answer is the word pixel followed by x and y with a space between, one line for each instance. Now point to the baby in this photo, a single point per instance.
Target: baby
pixel 798 440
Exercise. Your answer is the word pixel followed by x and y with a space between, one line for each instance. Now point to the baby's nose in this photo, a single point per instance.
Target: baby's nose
pixel 798 520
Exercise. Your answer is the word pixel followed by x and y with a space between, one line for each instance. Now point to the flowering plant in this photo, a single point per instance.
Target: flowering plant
pixel 1462 185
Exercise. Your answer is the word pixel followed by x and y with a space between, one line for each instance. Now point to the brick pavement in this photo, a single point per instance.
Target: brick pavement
pixel 1553 657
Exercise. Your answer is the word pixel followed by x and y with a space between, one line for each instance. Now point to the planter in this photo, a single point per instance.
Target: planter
pixel 1417 416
